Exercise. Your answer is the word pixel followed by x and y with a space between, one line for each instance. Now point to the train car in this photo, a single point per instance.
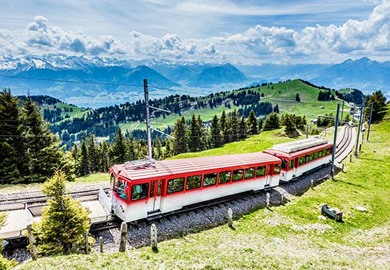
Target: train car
pixel 301 156
pixel 144 189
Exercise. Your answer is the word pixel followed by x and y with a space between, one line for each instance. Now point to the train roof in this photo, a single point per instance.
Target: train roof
pixel 166 168
pixel 302 151
pixel 291 147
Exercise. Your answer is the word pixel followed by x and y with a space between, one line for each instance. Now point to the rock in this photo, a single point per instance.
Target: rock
pixel 361 208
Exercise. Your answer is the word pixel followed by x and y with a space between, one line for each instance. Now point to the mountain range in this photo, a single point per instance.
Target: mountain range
pixel 100 81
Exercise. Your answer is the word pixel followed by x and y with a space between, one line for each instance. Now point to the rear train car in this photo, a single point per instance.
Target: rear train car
pixel 144 189
pixel 302 156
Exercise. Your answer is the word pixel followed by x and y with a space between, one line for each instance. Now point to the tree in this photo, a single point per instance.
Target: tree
pixel 64 221
pixel 93 155
pixel 252 123
pixel 379 107
pixel 216 133
pixel 289 123
pixel 297 97
pixel 105 160
pixel 276 109
pixel 242 133
pixel 84 159
pixel 42 147
pixel 180 144
pixel 234 126
pixel 195 140
pixel 11 135
pixel 272 121
pixel 119 148
pixel 224 127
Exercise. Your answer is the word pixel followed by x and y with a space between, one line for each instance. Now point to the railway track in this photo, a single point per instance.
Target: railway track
pixel 343 146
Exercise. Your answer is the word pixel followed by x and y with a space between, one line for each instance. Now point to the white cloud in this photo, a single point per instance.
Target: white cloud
pixel 258 44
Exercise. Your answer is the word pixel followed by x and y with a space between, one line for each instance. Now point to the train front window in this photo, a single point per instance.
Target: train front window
pixel 193 182
pixel 237 175
pixel 249 173
pixel 291 164
pixel 260 171
pixel 210 179
pixel 224 177
pixel 139 192
pixel 122 189
pixel 175 185
pixel 277 169
pixel 284 164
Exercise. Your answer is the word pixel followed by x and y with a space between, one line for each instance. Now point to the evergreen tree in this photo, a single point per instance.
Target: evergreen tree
pixel 84 159
pixel 260 124
pixel 288 122
pixel 297 97
pixel 130 149
pixel 272 122
pixel 104 154
pixel 234 126
pixel 194 143
pixel 43 153
pixel 10 138
pixel 242 129
pixel 93 156
pixel 379 107
pixel 119 148
pixel 252 123
pixel 203 134
pixel 180 143
pixel 224 127
pixel 216 133
pixel 64 221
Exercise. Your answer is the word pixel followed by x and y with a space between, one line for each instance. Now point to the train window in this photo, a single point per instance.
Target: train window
pixel 307 158
pixel 159 187
pixel 324 152
pixel 284 164
pixel 238 174
pixel 151 194
pixel 122 190
pixel 328 151
pixel 139 192
pixel 277 169
pixel 209 179
pixel 224 177
pixel 175 185
pixel 260 171
pixel 291 164
pixel 320 153
pixel 311 156
pixel 249 173
pixel 301 160
pixel 315 155
pixel 193 182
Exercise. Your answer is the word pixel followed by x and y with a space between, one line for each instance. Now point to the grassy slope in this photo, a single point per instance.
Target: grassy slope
pixel 288 237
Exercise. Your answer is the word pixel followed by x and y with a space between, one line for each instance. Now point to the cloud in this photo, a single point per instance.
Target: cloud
pixel 259 44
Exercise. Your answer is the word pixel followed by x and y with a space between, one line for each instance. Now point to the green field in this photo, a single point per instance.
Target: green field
pixel 294 236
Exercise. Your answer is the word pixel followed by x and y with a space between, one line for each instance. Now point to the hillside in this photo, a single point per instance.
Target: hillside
pixel 293 236
pixel 103 122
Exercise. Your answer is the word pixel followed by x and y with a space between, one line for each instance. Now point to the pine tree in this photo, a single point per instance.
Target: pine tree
pixel 234 126
pixel 297 98
pixel 260 124
pixel 252 123
pixel 242 129
pixel 271 122
pixel 195 142
pixel 119 148
pixel 216 133
pixel 84 159
pixel 104 154
pixel 379 107
pixel 224 127
pixel 10 138
pixel 93 156
pixel 64 221
pixel 43 152
pixel 202 134
pixel 130 151
pixel 180 144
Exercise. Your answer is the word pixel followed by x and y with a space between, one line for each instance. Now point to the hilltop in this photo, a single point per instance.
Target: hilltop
pixel 71 122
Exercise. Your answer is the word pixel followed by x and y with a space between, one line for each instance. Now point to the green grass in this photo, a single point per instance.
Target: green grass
pixel 294 236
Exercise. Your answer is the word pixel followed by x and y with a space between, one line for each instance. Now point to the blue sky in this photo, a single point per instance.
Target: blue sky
pixel 247 32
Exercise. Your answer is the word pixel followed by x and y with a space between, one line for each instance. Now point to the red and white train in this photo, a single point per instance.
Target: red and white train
pixel 143 189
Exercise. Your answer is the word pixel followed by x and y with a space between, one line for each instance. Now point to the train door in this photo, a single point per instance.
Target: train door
pixel 268 176
pixel 156 187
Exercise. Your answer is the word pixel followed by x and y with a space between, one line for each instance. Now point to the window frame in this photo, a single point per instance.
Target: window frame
pixel 211 183
pixel 191 176
pixel 257 170
pixel 242 175
pixel 175 191
pixel 253 173
pixel 140 198
pixel 219 177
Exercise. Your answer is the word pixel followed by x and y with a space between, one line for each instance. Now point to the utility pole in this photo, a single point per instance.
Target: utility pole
pixel 335 139
pixel 369 122
pixel 146 92
pixel 360 126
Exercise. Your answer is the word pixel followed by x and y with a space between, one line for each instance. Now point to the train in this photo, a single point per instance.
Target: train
pixel 148 189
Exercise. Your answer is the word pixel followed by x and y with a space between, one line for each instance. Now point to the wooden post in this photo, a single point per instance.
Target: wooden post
pixel 311 183
pixel 101 244
pixel 230 218
pixel 282 198
pixel 32 243
pixel 267 199
pixel 342 167
pixel 350 158
pixel 122 243
pixel 153 237
pixel 86 243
